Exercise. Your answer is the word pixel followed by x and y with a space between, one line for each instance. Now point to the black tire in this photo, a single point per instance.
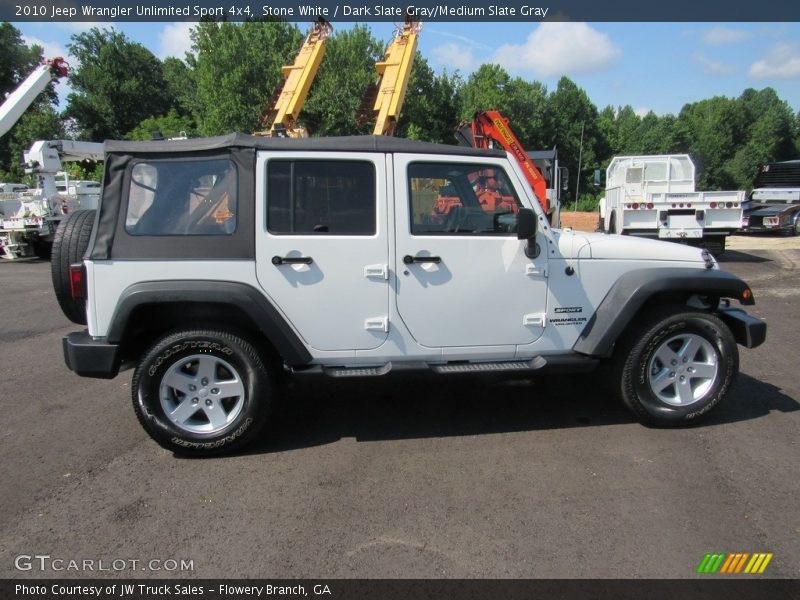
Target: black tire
pixel 638 366
pixel 178 354
pixel 612 223
pixel 69 245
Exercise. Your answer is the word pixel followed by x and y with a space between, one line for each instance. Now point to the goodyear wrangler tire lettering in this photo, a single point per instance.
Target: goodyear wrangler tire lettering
pixel 675 365
pixel 202 392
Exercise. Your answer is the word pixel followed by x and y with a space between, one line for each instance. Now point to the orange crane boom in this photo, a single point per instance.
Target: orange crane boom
pixel 489 128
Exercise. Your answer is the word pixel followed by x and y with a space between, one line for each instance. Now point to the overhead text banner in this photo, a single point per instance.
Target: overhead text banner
pixel 112 11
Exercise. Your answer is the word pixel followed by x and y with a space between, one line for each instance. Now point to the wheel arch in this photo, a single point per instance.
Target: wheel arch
pixel 149 309
pixel 644 289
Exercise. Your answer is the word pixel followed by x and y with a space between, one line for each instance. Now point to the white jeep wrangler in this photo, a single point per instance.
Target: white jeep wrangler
pixel 215 266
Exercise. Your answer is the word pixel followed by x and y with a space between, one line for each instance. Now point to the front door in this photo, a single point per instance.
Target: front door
pixel 463 276
pixel 322 247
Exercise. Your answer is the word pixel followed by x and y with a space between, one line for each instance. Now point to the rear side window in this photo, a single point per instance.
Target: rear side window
pixel 187 197
pixel 315 197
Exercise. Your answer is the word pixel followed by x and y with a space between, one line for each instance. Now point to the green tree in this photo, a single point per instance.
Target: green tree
pixel 342 81
pixel 709 131
pixel 170 125
pixel 17 61
pixel 181 86
pixel 237 69
pixel 657 134
pixel 117 85
pixel 569 111
pixel 768 126
pixel 429 112
pixel 523 103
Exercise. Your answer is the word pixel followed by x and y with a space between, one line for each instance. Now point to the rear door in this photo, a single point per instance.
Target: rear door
pixel 322 246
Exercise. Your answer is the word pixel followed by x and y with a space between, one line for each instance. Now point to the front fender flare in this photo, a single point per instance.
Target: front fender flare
pixel 633 289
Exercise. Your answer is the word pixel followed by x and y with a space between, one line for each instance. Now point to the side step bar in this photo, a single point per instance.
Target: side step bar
pixel 560 363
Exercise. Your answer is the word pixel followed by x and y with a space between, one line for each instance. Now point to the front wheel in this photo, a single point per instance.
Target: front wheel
pixel 202 392
pixel 678 368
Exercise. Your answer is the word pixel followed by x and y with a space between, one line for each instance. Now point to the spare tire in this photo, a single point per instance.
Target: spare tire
pixel 69 246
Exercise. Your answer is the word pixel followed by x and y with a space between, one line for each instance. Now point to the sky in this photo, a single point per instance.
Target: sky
pixel 650 66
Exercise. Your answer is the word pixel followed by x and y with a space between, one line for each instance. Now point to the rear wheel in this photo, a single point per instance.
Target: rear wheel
pixel 199 392
pixel 69 245
pixel 676 366
pixel 612 223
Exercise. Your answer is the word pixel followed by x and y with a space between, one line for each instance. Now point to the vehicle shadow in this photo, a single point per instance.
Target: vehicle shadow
pixel 741 256
pixel 314 415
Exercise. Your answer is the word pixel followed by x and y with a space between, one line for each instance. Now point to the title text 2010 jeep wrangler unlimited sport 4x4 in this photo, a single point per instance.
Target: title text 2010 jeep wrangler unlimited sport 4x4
pixel 213 264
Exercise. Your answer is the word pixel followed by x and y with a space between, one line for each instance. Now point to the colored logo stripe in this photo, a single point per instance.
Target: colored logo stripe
pixel 723 563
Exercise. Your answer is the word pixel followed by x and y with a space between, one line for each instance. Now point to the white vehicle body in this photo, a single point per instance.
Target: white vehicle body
pixel 654 196
pixel 31 217
pixel 214 264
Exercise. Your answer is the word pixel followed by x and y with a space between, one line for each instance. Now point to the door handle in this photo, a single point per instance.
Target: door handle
pixel 291 260
pixel 408 259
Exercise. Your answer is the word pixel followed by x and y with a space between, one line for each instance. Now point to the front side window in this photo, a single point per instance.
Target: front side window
pixel 186 197
pixel 321 197
pixel 461 199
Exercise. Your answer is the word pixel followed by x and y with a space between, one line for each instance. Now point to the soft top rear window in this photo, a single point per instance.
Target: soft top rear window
pixel 182 197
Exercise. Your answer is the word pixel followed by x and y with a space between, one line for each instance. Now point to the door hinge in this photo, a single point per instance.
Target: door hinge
pixel 377 324
pixel 533 271
pixel 535 320
pixel 377 271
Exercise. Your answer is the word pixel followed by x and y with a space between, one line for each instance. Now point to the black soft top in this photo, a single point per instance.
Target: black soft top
pixel 353 143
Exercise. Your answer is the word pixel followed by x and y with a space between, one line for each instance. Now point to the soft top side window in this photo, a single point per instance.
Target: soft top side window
pixel 182 197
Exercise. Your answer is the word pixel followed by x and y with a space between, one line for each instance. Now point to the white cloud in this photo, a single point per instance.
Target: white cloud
pixel 559 48
pixel 81 26
pixel 461 38
pixel 713 67
pixel 455 56
pixel 175 40
pixel 49 49
pixel 717 36
pixel 643 111
pixel 781 62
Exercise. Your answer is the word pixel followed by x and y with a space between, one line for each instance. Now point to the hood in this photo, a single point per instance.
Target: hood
pixel 623 247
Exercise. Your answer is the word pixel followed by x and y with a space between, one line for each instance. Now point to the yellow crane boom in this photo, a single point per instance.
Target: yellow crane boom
pixel 394 72
pixel 282 115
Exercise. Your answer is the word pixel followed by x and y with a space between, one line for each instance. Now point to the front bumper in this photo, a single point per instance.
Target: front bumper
pixel 91 357
pixel 749 331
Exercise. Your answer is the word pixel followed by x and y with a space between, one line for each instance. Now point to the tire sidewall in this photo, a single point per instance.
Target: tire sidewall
pixel 700 324
pixel 173 349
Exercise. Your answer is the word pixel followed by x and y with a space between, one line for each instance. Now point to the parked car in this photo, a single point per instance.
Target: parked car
pixel 771 216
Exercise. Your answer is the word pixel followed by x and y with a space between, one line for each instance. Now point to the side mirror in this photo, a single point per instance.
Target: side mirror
pixel 564 176
pixel 526 224
pixel 598 178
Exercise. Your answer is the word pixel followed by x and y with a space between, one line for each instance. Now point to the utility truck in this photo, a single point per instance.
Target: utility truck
pixel 30 218
pixel 654 196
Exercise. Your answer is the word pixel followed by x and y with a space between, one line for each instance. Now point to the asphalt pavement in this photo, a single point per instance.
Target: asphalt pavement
pixel 424 478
